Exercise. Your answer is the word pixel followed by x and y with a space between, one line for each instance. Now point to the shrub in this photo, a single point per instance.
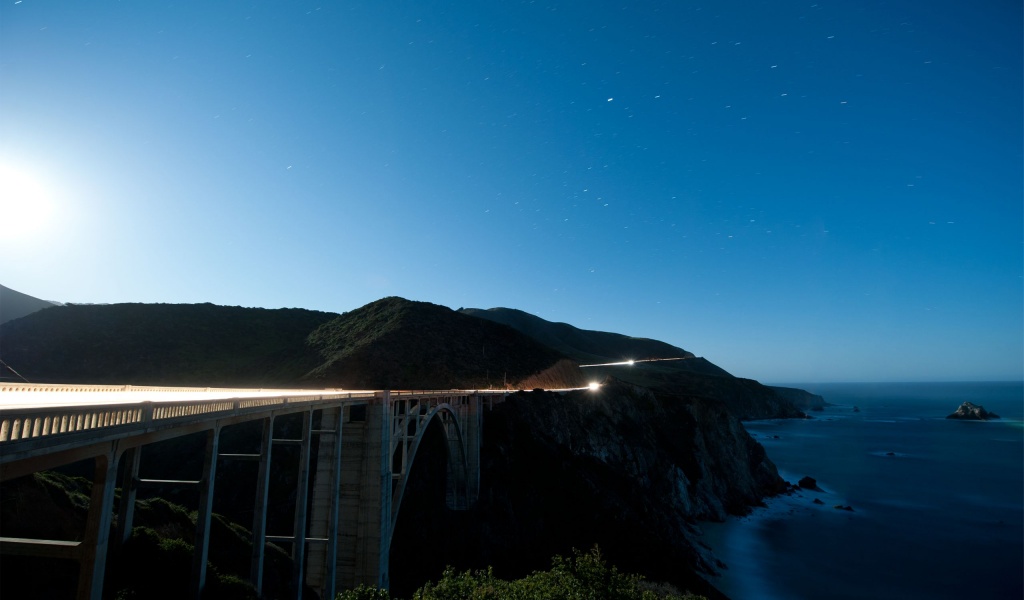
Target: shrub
pixel 584 576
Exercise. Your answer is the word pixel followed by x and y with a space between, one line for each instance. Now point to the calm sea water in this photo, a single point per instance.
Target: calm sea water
pixel 942 516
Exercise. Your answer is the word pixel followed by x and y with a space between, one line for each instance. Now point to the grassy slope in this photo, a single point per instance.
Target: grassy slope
pixel 397 343
pixel 391 343
pixel 162 344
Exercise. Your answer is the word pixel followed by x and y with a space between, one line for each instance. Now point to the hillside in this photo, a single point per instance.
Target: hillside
pixel 391 343
pixel 586 346
pixel 162 344
pixel 14 304
pixel 400 344
pixel 690 376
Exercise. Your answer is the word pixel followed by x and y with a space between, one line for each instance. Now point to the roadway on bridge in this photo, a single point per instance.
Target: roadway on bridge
pixel 17 397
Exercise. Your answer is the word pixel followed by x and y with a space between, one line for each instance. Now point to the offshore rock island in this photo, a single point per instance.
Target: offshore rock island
pixel 632 467
pixel 968 411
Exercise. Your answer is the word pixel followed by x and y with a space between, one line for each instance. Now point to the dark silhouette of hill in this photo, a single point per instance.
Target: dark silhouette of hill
pixel 690 376
pixel 592 347
pixel 14 304
pixel 396 343
pixel 584 345
pixel 391 343
pixel 162 344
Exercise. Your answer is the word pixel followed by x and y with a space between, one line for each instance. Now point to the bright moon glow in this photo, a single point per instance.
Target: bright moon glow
pixel 25 203
pixel 594 385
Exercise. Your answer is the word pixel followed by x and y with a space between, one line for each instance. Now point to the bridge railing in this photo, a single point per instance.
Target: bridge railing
pixel 35 423
pixel 79 388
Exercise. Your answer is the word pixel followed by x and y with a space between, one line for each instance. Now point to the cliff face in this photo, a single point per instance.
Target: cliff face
pixel 624 468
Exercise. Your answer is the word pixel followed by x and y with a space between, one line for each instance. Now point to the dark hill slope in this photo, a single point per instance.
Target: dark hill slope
pixel 14 304
pixel 391 343
pixel 163 344
pixel 584 345
pixel 399 344
pixel 693 376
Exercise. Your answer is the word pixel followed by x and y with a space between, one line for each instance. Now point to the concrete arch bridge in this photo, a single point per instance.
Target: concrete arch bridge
pixel 365 445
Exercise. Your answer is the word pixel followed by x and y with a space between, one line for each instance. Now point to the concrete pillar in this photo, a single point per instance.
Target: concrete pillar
pixel 386 493
pixel 301 499
pixel 259 518
pixel 93 561
pixel 455 488
pixel 472 431
pixel 365 523
pixel 322 560
pixel 129 487
pixel 205 509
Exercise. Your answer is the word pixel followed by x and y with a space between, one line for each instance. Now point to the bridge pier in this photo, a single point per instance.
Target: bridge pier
pixel 93 557
pixel 205 509
pixel 301 498
pixel 321 570
pixel 259 518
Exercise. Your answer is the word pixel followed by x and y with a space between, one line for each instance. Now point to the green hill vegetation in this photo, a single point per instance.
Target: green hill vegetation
pixel 583 576
pixel 162 344
pixel 396 343
pixel 391 343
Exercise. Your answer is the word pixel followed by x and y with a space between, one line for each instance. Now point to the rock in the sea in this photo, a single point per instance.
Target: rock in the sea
pixel 856 409
pixel 972 412
pixel 841 507
pixel 808 483
pixel 818 501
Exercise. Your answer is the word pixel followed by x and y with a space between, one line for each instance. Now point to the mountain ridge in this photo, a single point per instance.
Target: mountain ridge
pixel 391 343
pixel 14 304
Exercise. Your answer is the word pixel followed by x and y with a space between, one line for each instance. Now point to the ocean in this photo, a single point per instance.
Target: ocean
pixel 938 504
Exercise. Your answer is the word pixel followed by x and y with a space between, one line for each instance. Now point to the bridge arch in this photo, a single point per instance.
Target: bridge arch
pixel 458 495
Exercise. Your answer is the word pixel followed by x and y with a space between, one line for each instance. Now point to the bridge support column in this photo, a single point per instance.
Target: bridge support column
pixel 301 498
pixel 259 517
pixel 366 492
pixel 129 487
pixel 93 560
pixel 473 432
pixel 205 509
pixel 322 566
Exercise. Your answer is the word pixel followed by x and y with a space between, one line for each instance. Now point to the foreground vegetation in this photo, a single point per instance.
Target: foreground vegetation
pixel 584 576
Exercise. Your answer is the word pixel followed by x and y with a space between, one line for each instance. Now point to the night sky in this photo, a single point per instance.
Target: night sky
pixel 798 191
